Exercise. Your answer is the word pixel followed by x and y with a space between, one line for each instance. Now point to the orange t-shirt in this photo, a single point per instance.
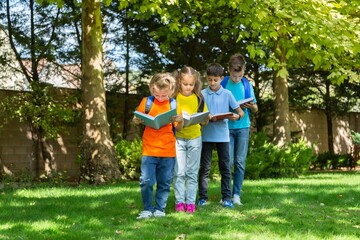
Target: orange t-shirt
pixel 161 142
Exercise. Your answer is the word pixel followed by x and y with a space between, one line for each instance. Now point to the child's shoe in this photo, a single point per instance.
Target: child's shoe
pixel 144 215
pixel 180 207
pixel 202 202
pixel 228 204
pixel 158 213
pixel 236 200
pixel 190 208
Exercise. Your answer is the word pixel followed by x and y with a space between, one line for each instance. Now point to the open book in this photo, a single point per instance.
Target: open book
pixel 221 116
pixel 156 122
pixel 195 118
pixel 246 100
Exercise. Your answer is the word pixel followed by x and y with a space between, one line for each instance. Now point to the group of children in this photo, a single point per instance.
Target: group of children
pixel 186 156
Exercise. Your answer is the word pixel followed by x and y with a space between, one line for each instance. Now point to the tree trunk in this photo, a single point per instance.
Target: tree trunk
pixel 329 116
pixel 281 127
pixel 97 149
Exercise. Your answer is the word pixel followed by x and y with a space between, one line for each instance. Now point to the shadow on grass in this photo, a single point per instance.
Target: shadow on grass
pixel 315 207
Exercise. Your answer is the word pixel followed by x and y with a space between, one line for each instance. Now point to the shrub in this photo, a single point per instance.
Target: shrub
pixel 129 156
pixel 326 160
pixel 266 160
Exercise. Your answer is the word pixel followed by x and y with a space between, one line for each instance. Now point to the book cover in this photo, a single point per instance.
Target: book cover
pixel 195 118
pixel 221 116
pixel 246 100
pixel 158 121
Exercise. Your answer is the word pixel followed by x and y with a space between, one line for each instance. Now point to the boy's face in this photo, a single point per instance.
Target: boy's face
pixel 214 82
pixel 236 76
pixel 161 94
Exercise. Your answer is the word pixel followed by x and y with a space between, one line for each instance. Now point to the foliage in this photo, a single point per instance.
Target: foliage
pixel 129 156
pixel 266 160
pixel 53 117
pixel 355 137
pixel 327 160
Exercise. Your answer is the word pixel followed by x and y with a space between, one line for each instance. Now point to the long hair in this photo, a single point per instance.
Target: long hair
pixel 178 74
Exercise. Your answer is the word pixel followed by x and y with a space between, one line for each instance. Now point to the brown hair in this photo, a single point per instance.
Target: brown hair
pixel 237 62
pixel 188 71
pixel 215 69
pixel 162 81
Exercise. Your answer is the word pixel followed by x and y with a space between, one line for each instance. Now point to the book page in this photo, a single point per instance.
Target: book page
pixel 195 118
pixel 246 100
pixel 158 121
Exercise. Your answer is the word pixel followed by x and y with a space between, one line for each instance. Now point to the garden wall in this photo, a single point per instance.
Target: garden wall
pixel 16 144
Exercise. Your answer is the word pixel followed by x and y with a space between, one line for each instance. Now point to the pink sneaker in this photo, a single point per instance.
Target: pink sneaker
pixel 180 207
pixel 190 208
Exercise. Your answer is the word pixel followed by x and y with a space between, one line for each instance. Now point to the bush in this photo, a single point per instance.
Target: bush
pixel 129 156
pixel 266 160
pixel 326 160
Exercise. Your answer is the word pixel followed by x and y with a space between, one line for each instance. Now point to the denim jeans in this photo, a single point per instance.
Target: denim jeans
pixel 239 142
pixel 157 170
pixel 224 167
pixel 187 165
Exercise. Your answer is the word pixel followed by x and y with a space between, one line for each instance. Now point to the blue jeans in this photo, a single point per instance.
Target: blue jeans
pixel 157 170
pixel 187 165
pixel 239 142
pixel 224 167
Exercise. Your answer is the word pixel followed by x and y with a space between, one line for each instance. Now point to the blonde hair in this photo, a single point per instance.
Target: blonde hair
pixel 162 81
pixel 188 71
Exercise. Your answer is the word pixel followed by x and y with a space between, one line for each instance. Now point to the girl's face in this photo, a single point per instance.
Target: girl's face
pixel 161 94
pixel 187 84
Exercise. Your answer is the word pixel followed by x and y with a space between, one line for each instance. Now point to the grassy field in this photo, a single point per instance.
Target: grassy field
pixel 315 206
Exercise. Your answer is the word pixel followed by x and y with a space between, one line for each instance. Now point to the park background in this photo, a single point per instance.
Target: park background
pixel 305 73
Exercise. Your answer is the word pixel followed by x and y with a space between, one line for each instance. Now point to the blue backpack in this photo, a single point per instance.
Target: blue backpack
pixel 150 101
pixel 246 86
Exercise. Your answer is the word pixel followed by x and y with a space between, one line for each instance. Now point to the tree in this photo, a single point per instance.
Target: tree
pixel 97 148
pixel 32 34
pixel 289 34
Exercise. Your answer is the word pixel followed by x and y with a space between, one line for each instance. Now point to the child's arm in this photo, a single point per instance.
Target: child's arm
pixel 240 114
pixel 179 120
pixel 251 105
pixel 137 121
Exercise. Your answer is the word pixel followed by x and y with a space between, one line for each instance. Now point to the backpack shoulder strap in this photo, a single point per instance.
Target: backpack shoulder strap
pixel 200 103
pixel 246 87
pixel 148 104
pixel 172 103
pixel 224 81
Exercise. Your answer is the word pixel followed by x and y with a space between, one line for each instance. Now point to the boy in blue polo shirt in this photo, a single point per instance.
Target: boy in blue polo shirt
pixel 216 134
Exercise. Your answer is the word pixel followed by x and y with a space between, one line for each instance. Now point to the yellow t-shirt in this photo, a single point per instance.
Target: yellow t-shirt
pixel 161 142
pixel 190 105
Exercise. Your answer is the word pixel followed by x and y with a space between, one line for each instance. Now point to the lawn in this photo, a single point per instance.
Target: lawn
pixel 314 206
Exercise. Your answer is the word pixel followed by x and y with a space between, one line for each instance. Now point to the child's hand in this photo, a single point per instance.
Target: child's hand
pixel 177 118
pixel 234 117
pixel 247 105
pixel 137 121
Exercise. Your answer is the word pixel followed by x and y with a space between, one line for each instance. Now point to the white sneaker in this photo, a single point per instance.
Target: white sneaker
pixel 236 200
pixel 158 213
pixel 144 215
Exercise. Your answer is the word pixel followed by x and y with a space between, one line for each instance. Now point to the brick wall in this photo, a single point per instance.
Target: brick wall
pixel 16 144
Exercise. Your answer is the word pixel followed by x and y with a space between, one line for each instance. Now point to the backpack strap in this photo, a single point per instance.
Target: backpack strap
pixel 148 104
pixel 224 81
pixel 246 87
pixel 200 103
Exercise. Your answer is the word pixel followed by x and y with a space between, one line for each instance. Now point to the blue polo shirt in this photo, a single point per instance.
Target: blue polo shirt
pixel 221 101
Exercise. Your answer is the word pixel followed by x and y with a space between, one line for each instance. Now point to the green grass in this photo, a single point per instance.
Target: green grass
pixel 315 206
